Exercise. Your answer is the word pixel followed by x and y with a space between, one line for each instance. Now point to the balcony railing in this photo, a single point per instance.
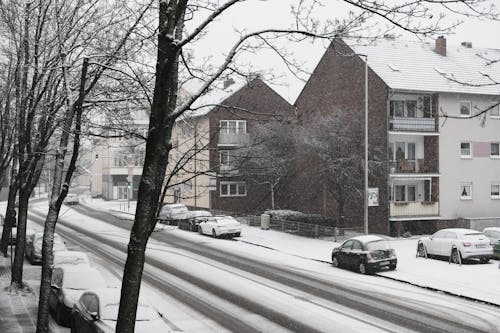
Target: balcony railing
pixel 411 166
pixel 233 139
pixel 228 170
pixel 412 124
pixel 414 209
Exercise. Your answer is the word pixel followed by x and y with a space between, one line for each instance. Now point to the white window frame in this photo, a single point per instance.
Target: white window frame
pixel 228 192
pixel 498 150
pixel 470 150
pixel 224 152
pixel 495 196
pixel 460 108
pixel 495 115
pixel 237 131
pixel 462 185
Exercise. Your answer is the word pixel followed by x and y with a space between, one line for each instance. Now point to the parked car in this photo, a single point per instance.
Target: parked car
pixel 71 199
pixel 172 213
pixel 493 233
pixel 193 218
pixel 457 245
pixel 33 250
pixel 220 226
pixel 62 258
pixel 97 311
pixel 68 284
pixel 366 254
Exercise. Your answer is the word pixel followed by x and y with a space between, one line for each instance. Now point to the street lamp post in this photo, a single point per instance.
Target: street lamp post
pixel 365 208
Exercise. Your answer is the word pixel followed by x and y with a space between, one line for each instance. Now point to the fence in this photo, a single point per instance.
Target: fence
pixel 303 229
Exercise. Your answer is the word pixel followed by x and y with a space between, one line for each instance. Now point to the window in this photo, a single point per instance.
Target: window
pixel 465 108
pixel 119 162
pixel 412 192
pixel 406 108
pixel 495 112
pixel 495 191
pixel 233 189
pixel 233 126
pixel 357 246
pixel 495 149
pixel 465 149
pixel 224 157
pixel 466 191
pixel 400 193
pixel 411 108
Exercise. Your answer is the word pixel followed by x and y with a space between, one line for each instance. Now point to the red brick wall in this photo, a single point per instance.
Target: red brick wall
pixel 338 83
pixel 260 103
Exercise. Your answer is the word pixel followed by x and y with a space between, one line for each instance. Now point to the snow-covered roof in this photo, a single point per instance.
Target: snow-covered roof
pixel 415 66
pixel 215 96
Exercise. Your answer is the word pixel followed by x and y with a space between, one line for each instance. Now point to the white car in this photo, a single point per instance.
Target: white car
pixel 34 246
pixel 70 258
pixel 218 226
pixel 71 199
pixel 172 213
pixel 68 284
pixel 456 244
pixel 97 311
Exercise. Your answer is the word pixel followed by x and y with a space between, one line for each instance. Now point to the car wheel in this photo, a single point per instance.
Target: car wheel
pixel 421 251
pixel 200 231
pixel 335 262
pixel 362 268
pixel 484 260
pixel 238 234
pixel 392 267
pixel 214 234
pixel 456 258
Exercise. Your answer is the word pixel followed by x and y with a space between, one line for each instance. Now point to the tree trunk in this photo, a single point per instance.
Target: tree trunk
pixel 17 268
pixel 10 213
pixel 158 146
pixel 59 192
pixel 272 196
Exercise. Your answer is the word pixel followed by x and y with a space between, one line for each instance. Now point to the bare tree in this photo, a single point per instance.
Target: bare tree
pixel 173 39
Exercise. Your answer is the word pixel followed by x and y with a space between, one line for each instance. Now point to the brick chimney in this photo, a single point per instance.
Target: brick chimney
pixel 441 46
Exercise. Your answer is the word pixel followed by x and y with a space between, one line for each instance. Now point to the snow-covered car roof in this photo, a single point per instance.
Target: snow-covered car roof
pixel 81 277
pixel 70 258
pixel 198 213
pixel 491 229
pixel 368 238
pixel 462 231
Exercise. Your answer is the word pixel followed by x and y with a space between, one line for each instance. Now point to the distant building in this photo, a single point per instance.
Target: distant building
pixel 439 171
pixel 222 125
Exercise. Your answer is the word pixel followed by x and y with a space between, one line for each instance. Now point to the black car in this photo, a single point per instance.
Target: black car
pixel 365 254
pixel 193 218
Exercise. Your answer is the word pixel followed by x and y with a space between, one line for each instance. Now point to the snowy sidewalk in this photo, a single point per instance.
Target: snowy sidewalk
pixel 18 312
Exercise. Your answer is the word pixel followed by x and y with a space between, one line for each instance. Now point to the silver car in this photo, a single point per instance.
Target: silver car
pixel 33 250
pixel 172 213
pixel 456 244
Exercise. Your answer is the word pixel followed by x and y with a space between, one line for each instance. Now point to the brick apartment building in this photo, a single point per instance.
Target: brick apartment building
pixel 223 127
pixel 437 171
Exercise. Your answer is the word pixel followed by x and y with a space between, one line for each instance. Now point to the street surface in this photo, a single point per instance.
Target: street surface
pixel 204 287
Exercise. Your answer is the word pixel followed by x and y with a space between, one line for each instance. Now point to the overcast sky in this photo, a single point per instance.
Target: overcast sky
pixel 256 14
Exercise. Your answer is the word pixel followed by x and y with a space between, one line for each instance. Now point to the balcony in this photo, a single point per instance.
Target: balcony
pixel 406 209
pixel 419 166
pixel 412 124
pixel 233 139
pixel 228 170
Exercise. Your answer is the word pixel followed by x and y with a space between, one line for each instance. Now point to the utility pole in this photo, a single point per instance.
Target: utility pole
pixel 366 147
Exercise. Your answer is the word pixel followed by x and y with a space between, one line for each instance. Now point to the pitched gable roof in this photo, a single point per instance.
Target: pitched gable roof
pixel 415 66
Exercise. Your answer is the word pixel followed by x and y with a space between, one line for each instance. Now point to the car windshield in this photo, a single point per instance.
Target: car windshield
pixel 82 280
pixel 379 245
pixel 144 312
